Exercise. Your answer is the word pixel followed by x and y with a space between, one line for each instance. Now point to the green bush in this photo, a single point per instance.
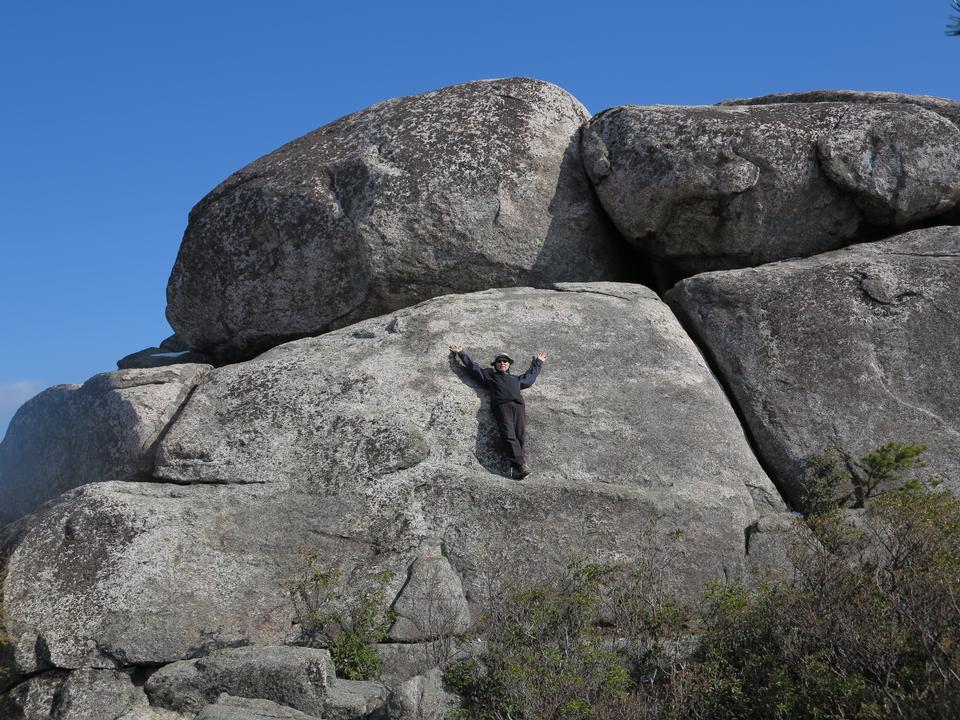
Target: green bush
pixel 868 628
pixel 545 656
pixel 348 624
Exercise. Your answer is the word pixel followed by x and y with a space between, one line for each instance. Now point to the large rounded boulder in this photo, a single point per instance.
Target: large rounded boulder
pixel 372 449
pixel 468 187
pixel 711 188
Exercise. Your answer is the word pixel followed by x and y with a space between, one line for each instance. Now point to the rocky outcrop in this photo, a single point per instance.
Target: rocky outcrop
pixel 81 695
pixel 709 188
pixel 852 348
pixel 469 187
pixel 71 435
pixel 950 109
pixel 228 707
pixel 294 677
pixel 369 443
pixel 431 605
pixel 422 698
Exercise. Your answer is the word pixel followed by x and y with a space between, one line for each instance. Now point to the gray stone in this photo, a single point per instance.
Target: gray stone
pixel 174 343
pixel 949 109
pixel 422 698
pixel 350 699
pixel 431 605
pixel 402 661
pixel 152 713
pixel 468 187
pixel 300 678
pixel 852 348
pixel 33 699
pixel 85 694
pixel 710 188
pixel 768 546
pixel 106 429
pixel 902 167
pixel 363 444
pixel 228 707
pixel 154 357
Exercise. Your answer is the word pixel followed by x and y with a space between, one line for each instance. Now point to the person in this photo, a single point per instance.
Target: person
pixel 508 406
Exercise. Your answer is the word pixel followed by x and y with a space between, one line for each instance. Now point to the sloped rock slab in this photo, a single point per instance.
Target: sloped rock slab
pixel 855 348
pixel 106 429
pixel 709 188
pixel 468 187
pixel 228 707
pixel 950 109
pixel 367 443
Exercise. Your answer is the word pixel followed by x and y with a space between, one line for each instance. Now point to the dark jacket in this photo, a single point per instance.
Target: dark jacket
pixel 503 387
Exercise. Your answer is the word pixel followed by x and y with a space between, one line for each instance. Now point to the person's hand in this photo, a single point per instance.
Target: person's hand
pixel 541 356
pixel 456 348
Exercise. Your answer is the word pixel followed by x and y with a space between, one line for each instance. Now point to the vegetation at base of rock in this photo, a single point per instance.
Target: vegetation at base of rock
pixel 577 646
pixel 834 479
pixel 867 627
pixel 350 624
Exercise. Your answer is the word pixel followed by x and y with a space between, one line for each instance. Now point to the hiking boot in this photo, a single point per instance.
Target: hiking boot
pixel 521 471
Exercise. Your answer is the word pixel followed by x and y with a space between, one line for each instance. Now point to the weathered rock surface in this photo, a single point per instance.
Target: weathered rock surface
pixel 228 707
pixel 855 348
pixel 106 429
pixel 468 187
pixel 402 661
pixel 708 188
pixel 80 695
pixel 366 444
pixel 431 605
pixel 950 109
pixel 422 698
pixel 296 677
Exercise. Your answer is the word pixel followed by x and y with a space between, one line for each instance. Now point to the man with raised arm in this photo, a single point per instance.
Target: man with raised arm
pixel 508 406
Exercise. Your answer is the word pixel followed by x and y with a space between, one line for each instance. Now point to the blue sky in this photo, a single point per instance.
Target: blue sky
pixel 119 116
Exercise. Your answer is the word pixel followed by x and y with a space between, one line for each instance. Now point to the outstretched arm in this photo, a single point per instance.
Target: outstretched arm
pixel 475 370
pixel 530 376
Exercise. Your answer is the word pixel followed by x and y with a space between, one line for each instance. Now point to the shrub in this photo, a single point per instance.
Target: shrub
pixel 868 628
pixel 349 624
pixel 545 657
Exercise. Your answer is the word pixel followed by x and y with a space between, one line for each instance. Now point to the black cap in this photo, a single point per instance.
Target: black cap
pixel 502 355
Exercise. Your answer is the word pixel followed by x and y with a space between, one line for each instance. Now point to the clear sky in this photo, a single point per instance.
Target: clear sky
pixel 117 117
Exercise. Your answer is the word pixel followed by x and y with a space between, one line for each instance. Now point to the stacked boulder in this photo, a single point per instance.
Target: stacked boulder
pixel 160 517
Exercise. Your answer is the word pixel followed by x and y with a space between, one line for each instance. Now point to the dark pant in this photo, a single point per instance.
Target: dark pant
pixel 512 422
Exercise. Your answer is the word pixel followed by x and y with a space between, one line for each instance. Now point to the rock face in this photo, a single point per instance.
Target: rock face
pixel 82 695
pixel 708 188
pixel 469 187
pixel 855 348
pixel 950 109
pixel 422 698
pixel 370 443
pixel 431 604
pixel 71 435
pixel 294 677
